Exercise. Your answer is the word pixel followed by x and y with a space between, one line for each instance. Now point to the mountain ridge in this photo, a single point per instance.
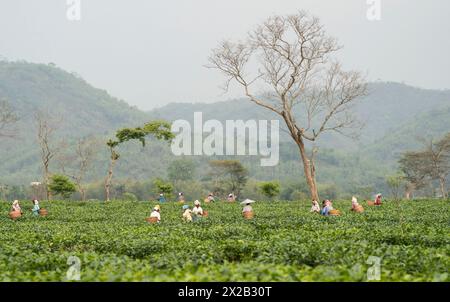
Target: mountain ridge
pixel 392 111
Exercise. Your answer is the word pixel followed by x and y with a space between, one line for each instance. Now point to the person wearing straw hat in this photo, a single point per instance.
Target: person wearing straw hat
pixel 197 210
pixel 16 207
pixel 248 207
pixel 156 213
pixel 187 213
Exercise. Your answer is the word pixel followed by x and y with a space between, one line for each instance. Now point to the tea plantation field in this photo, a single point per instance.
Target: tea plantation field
pixel 284 242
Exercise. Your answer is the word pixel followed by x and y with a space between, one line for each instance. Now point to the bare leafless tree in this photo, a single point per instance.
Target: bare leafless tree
pixel 7 119
pixel 114 157
pixel 46 127
pixel 293 58
pixel 76 164
pixel 439 156
pixel 432 163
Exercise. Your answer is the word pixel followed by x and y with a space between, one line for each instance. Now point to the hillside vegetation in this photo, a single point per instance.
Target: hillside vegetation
pixel 394 115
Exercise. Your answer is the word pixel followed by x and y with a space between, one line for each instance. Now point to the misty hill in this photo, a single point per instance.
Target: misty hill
pixel 431 124
pixel 394 115
pixel 79 108
pixel 85 109
pixel 388 106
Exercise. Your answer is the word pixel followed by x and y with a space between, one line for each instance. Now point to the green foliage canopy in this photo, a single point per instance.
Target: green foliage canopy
pixel 61 185
pixel 270 189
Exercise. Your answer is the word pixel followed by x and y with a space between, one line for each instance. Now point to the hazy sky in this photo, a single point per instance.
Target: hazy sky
pixel 151 53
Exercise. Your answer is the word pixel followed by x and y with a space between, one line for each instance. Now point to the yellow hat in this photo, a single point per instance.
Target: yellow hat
pixel 157 207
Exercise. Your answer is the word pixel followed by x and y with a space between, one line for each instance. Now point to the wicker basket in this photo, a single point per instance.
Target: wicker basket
pixel 43 212
pixel 151 219
pixel 14 215
pixel 205 214
pixel 359 209
pixel 248 215
pixel 370 203
pixel 335 213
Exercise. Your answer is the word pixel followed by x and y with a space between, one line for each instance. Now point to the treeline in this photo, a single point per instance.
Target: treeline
pixel 427 169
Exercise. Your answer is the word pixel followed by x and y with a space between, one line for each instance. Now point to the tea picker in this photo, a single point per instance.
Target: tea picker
pixel 181 197
pixel 328 209
pixel 210 198
pixel 356 207
pixel 16 211
pixel 247 211
pixel 376 202
pixel 36 207
pixel 187 213
pixel 231 197
pixel 315 208
pixel 197 210
pixel 161 198
pixel 155 215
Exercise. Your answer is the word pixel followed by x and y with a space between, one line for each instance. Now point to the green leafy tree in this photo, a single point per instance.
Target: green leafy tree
pixel 163 187
pixel 430 164
pixel 181 170
pixel 158 129
pixel 129 196
pixel 228 175
pixel 330 191
pixel 7 119
pixel 61 185
pixel 396 184
pixel 270 189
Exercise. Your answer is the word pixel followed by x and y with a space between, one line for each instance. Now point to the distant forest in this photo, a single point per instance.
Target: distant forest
pixel 397 118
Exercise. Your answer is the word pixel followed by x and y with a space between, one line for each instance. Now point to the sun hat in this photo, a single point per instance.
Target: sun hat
pixel 248 201
pixel 157 207
pixel 185 207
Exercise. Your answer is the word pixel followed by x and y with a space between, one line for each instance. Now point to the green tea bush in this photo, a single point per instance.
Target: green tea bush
pixel 284 242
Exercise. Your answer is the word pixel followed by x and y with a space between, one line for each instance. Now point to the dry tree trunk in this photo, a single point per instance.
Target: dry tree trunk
pixel 308 167
pixel 109 178
pixel 83 194
pixel 442 187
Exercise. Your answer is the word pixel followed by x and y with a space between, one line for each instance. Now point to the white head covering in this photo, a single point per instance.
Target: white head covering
pixel 197 203
pixel 248 201
pixel 354 200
